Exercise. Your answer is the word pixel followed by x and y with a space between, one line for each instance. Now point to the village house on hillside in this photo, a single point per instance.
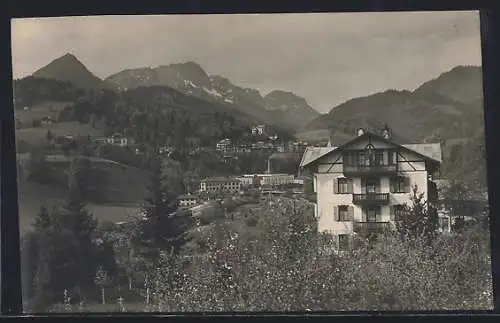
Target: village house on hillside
pixel 362 185
pixel 116 139
pixel 187 200
pixel 266 179
pixel 220 184
pixel 224 145
pixel 259 130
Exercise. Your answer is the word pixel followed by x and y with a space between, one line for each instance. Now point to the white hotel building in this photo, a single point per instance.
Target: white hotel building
pixel 361 185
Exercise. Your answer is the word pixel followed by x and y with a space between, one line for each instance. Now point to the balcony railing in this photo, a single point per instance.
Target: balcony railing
pixel 365 228
pixel 371 198
pixel 369 169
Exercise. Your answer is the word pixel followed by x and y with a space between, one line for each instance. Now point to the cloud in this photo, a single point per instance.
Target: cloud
pixel 326 58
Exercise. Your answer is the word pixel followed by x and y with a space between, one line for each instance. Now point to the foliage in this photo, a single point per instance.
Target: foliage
pixel 418 219
pixel 65 253
pixel 162 229
pixel 244 273
pixel 38 167
pixel 457 197
pixel 31 90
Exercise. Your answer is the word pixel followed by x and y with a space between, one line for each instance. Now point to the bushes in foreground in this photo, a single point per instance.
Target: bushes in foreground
pixel 282 271
pixel 281 268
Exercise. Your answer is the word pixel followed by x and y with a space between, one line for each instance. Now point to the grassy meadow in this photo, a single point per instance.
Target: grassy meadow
pixel 33 195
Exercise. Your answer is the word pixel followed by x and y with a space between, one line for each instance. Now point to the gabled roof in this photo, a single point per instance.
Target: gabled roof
pixel 313 153
pixel 430 152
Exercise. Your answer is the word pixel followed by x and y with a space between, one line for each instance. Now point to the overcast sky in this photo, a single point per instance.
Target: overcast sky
pixel 325 58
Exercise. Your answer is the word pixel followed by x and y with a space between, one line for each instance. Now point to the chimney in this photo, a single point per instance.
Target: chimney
pixel 386 132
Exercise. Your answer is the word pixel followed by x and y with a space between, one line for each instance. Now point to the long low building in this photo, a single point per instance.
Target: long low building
pixel 267 179
pixel 219 184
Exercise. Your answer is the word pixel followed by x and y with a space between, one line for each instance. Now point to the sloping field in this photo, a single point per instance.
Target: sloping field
pixel 32 196
pixel 37 136
pixel 45 109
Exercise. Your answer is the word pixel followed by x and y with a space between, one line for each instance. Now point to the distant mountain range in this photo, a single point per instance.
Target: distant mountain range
pixel 278 108
pixel 448 109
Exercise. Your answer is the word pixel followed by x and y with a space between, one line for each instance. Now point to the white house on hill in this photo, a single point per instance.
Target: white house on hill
pixel 361 185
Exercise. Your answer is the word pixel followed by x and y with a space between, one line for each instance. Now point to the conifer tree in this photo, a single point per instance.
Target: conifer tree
pixel 66 250
pixel 163 229
pixel 419 219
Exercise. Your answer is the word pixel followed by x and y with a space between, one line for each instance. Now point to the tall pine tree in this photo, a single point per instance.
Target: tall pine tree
pixel 66 250
pixel 162 228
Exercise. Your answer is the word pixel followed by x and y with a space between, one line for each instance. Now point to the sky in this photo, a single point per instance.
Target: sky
pixel 327 58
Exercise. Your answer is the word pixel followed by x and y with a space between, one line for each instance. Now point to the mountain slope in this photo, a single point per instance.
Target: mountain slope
pixel 277 108
pixel 68 68
pixel 462 84
pixel 116 111
pixel 447 109
pixel 449 106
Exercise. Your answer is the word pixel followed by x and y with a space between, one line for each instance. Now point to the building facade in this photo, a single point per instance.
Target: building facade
pixel 116 139
pixel 220 184
pixel 188 200
pixel 259 129
pixel 362 185
pixel 224 145
pixel 267 179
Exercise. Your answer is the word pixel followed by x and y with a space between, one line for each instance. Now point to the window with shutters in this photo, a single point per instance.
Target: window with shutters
pixel 343 213
pixel 344 186
pixel 400 184
pixel 344 242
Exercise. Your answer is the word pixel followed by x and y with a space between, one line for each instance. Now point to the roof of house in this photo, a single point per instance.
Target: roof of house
pixel 187 196
pixel 313 153
pixel 220 179
pixel 284 155
pixel 430 151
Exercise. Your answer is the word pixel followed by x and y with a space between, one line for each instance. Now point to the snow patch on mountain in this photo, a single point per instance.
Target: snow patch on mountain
pixel 212 92
pixel 190 83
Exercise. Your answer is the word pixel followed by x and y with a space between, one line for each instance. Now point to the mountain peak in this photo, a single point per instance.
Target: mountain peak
pixel 69 55
pixel 68 68
pixel 188 66
pixel 190 78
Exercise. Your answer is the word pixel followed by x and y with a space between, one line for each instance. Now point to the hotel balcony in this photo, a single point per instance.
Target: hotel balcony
pixel 361 170
pixel 366 228
pixel 370 199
